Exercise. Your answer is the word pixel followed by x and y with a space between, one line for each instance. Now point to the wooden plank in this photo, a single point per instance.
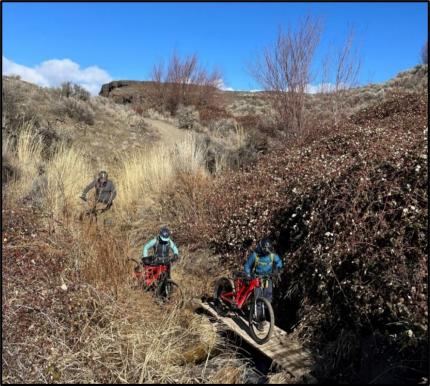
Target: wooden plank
pixel 284 352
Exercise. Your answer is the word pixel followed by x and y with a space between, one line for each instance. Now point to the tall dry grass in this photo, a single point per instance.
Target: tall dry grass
pixel 24 154
pixel 233 142
pixel 114 332
pixel 66 175
pixel 124 339
pixel 143 176
pixel 124 334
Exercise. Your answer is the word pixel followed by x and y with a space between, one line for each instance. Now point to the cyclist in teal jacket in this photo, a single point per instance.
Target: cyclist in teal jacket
pixel 161 246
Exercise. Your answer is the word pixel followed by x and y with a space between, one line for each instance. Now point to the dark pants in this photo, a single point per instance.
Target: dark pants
pixel 266 292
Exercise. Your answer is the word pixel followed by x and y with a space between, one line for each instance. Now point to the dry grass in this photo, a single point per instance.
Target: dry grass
pixel 66 174
pixel 89 324
pixel 146 345
pixel 97 124
pixel 144 175
pixel 235 141
pixel 98 328
pixel 122 340
pixel 24 153
pixel 129 338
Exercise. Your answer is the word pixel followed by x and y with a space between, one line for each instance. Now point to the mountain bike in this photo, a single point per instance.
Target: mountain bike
pixel 92 209
pixel 238 294
pixel 153 274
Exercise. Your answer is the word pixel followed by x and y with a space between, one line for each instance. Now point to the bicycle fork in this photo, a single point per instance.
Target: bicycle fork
pixel 259 312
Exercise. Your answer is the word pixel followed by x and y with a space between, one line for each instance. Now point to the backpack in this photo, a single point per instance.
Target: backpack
pixel 258 262
pixel 164 247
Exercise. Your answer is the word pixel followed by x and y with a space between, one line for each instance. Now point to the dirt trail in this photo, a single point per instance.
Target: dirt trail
pixel 169 134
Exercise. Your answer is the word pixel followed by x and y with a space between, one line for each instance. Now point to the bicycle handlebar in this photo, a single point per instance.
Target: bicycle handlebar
pixel 162 261
pixel 132 259
pixel 275 276
pixel 255 276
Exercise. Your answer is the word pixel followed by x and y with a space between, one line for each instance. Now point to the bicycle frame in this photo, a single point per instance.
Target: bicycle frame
pixel 151 273
pixel 241 292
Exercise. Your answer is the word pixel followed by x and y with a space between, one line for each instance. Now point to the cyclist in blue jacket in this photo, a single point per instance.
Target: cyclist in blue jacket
pixel 264 261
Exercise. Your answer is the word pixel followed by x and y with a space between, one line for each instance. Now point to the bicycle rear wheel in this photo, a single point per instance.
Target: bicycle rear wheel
pixel 222 286
pixel 261 320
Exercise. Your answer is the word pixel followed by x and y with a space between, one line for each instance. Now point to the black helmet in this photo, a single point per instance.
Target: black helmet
pixel 103 175
pixel 265 246
pixel 164 234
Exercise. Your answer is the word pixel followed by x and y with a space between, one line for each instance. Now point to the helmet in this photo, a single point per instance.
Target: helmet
pixel 265 246
pixel 103 175
pixel 164 234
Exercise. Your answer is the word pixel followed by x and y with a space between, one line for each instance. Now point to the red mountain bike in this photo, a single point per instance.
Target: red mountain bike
pixel 153 275
pixel 238 294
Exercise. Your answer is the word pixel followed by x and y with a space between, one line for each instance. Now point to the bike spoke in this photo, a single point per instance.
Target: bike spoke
pixel 173 295
pixel 261 320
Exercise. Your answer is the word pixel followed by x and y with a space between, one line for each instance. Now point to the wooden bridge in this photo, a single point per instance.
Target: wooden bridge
pixel 286 353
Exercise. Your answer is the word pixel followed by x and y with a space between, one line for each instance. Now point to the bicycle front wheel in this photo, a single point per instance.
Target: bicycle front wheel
pixel 261 320
pixel 173 294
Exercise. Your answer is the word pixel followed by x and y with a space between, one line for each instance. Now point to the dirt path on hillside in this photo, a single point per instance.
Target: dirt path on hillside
pixel 169 134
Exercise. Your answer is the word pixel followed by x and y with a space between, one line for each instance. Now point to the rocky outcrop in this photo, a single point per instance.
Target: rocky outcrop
pixel 128 91
pixel 146 92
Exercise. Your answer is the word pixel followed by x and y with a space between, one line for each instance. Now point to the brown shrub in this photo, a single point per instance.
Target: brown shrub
pixel 188 117
pixel 210 113
pixel 78 110
pixel 249 121
pixel 349 211
pixel 71 90
pixel 184 82
pixel 8 171
pixel 138 109
pixel 17 107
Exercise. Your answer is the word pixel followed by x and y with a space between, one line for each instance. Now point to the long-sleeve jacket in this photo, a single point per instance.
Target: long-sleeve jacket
pixel 262 265
pixel 160 249
pixel 105 193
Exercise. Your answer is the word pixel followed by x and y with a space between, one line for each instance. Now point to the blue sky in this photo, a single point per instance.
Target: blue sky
pixel 103 41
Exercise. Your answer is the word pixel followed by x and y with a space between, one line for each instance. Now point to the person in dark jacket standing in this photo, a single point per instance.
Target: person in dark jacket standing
pixel 102 198
pixel 105 191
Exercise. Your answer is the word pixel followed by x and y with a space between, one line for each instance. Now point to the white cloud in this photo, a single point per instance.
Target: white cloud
pixel 313 89
pixel 54 72
pixel 222 86
pixel 324 87
pixel 26 73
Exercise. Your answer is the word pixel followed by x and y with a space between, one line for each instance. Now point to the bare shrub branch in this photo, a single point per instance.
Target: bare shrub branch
pixel 347 68
pixel 69 89
pixel 184 81
pixel 284 70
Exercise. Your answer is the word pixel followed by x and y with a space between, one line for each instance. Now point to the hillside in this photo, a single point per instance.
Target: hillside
pixel 347 207
pixel 92 124
pixel 241 103
pixel 349 213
